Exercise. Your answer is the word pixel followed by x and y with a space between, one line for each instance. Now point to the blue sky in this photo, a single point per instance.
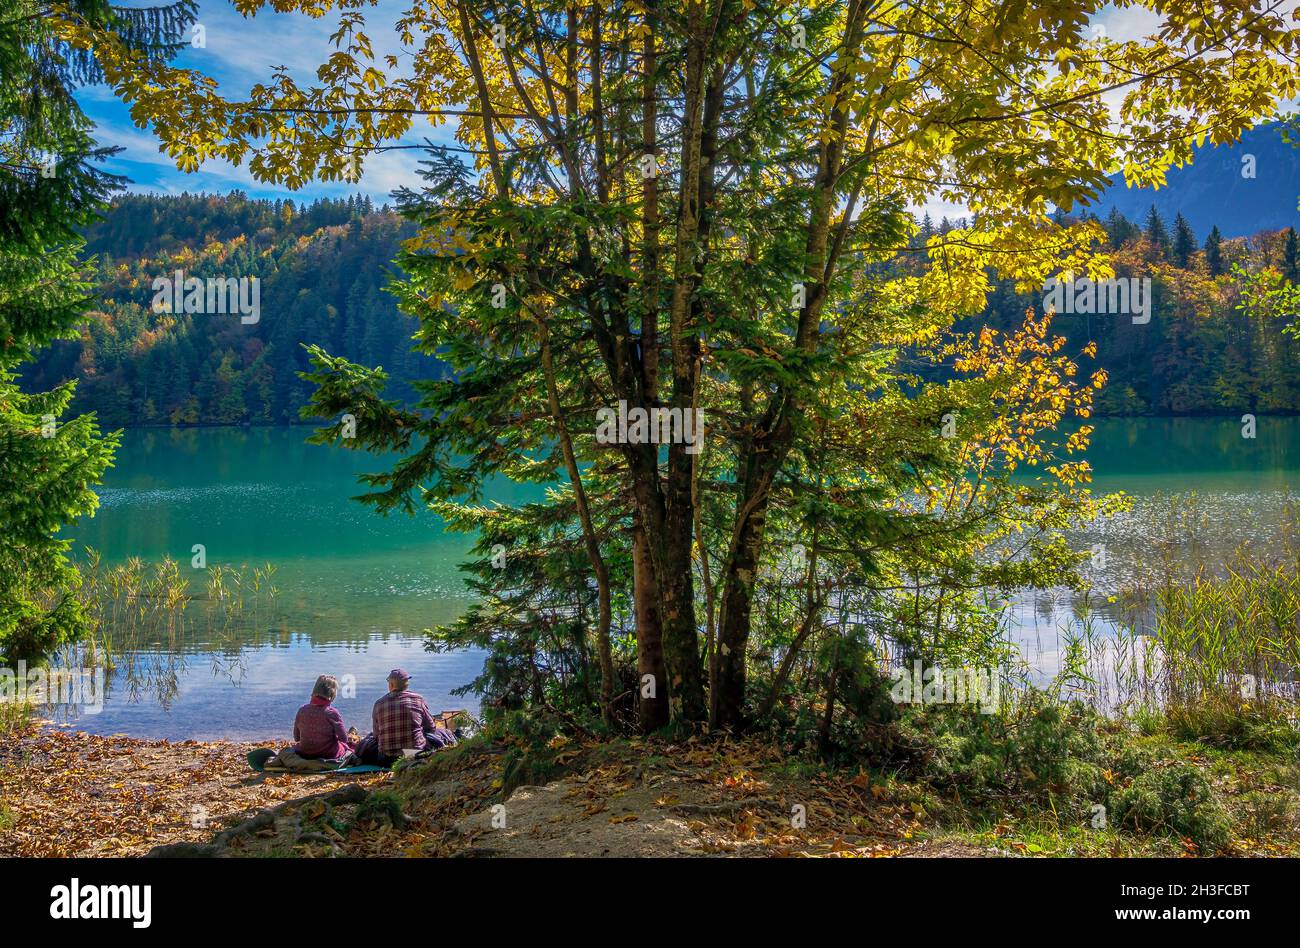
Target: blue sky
pixel 241 52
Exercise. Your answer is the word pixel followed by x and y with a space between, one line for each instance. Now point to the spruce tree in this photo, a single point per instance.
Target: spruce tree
pixel 1184 242
pixel 1214 252
pixel 1156 231
pixel 49 189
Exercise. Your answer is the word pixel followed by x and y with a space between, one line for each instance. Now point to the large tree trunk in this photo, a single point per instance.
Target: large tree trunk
pixel 673 545
pixel 670 597
pixel 677 610
pixel 737 595
pixel 763 456
pixel 652 710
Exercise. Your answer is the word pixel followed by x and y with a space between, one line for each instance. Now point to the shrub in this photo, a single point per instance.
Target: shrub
pixel 1041 751
pixel 1175 799
pixel 1055 747
pixel 1129 759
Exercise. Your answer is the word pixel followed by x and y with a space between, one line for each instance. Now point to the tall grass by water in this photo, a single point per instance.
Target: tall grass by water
pixel 144 612
pixel 1208 645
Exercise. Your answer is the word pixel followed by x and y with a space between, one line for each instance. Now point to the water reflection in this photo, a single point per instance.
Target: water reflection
pixel 354 590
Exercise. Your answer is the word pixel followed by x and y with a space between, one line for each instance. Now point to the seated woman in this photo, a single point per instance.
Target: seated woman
pixel 318 730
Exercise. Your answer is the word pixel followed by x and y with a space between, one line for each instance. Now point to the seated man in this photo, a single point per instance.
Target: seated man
pixel 318 729
pixel 402 722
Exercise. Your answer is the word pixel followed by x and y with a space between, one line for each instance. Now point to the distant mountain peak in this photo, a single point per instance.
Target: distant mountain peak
pixel 1242 188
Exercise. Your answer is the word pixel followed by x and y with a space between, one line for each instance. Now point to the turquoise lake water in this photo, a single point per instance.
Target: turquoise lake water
pixel 356 590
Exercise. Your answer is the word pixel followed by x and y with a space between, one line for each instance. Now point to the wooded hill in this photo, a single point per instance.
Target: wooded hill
pixel 324 267
pixel 1204 350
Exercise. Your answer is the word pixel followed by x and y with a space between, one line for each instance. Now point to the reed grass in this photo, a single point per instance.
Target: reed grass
pixel 1209 655
pixel 15 717
pixel 144 614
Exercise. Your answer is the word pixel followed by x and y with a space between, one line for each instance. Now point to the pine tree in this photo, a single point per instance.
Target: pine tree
pixel 1184 242
pixel 1289 255
pixel 1214 252
pixel 1156 231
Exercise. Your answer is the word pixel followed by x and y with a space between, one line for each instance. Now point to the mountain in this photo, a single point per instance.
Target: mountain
pixel 1215 188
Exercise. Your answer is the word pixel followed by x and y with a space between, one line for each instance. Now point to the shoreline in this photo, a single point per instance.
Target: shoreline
pixel 1233 415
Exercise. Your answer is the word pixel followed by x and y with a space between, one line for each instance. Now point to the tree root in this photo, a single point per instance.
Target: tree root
pixel 263 819
pixel 729 808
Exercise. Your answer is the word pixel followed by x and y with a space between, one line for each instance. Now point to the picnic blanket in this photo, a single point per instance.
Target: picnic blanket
pixel 266 760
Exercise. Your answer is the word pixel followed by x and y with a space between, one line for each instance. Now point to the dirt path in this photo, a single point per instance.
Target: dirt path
pixel 647 798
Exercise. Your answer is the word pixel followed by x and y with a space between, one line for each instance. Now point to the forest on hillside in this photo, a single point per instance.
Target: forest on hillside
pixel 324 268
pixel 1212 345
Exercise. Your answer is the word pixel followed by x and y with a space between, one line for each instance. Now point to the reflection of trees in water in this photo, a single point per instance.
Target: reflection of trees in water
pixel 146 614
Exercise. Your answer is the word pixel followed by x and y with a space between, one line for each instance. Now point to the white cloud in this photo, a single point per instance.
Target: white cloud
pixel 239 52
pixel 1128 24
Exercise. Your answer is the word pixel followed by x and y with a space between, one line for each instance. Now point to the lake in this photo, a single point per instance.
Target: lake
pixel 356 590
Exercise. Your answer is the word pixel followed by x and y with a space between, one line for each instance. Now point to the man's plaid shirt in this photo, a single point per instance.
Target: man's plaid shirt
pixel 400 720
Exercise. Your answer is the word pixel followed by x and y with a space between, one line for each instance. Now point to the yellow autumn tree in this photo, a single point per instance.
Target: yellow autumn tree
pixel 702 205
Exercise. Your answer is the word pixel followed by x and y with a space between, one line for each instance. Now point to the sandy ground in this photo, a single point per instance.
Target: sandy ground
pixel 559 820
pixel 693 800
